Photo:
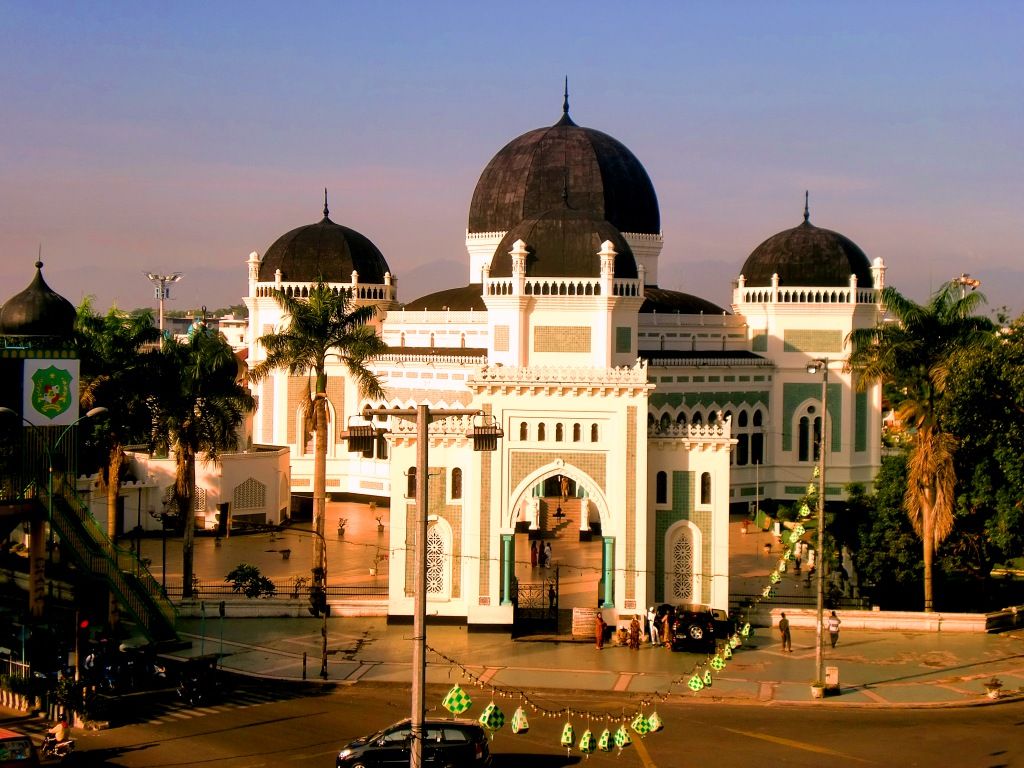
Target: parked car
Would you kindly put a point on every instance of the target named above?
(700, 627)
(447, 743)
(17, 750)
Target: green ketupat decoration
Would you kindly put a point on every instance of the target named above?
(622, 738)
(587, 742)
(746, 630)
(457, 700)
(654, 721)
(787, 553)
(567, 735)
(707, 678)
(805, 511)
(695, 683)
(492, 718)
(727, 652)
(604, 741)
(519, 722)
(734, 641)
(766, 592)
(799, 530)
(640, 724)
(774, 578)
(718, 663)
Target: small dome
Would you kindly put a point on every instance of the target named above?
(464, 299)
(37, 311)
(528, 174)
(564, 243)
(326, 250)
(664, 301)
(807, 255)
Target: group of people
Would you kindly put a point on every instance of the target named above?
(540, 554)
(787, 636)
(657, 628)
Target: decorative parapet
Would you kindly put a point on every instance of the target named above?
(851, 294)
(426, 357)
(364, 291)
(536, 378)
(709, 362)
(561, 286)
(720, 429)
(412, 316)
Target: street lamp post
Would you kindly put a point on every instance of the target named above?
(816, 366)
(160, 286)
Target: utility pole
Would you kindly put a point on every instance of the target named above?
(821, 366)
(162, 290)
(484, 438)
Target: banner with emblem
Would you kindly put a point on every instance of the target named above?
(50, 392)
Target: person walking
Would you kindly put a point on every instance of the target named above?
(547, 554)
(652, 623)
(833, 628)
(634, 634)
(599, 628)
(666, 629)
(798, 556)
(552, 599)
(533, 554)
(787, 640)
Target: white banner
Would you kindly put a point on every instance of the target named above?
(51, 392)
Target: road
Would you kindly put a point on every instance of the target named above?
(271, 726)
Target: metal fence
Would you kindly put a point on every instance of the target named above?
(204, 589)
(11, 668)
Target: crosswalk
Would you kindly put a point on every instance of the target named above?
(173, 710)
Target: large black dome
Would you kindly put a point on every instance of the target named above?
(807, 255)
(564, 243)
(37, 311)
(323, 250)
(529, 174)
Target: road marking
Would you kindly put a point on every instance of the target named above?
(625, 678)
(645, 756)
(488, 674)
(796, 744)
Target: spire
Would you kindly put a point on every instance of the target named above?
(565, 98)
(807, 208)
(39, 261)
(326, 211)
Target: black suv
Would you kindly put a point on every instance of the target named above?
(447, 743)
(697, 626)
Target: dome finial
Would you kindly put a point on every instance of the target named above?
(807, 207)
(326, 211)
(39, 260)
(565, 98)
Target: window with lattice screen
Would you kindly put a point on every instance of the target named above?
(438, 566)
(252, 494)
(681, 571)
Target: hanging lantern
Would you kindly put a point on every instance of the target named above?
(492, 717)
(457, 700)
(622, 738)
(640, 724)
(604, 741)
(519, 722)
(360, 438)
(485, 435)
(587, 742)
(654, 721)
(567, 735)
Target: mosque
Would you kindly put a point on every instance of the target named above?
(634, 416)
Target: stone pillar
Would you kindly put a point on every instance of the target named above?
(508, 562)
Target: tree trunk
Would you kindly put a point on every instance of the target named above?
(319, 488)
(928, 538)
(114, 462)
(184, 487)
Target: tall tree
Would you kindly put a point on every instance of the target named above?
(116, 368)
(325, 323)
(198, 405)
(915, 350)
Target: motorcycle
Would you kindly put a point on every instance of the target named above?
(52, 748)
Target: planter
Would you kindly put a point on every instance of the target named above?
(743, 526)
(285, 554)
(817, 691)
(373, 571)
(993, 691)
(380, 528)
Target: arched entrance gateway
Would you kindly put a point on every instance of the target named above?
(560, 519)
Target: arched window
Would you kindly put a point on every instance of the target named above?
(804, 439)
(712, 417)
(382, 448)
(758, 419)
(742, 449)
(410, 483)
(817, 438)
(456, 483)
(439, 568)
(541, 433)
(698, 417)
(705, 488)
(593, 433)
(682, 576)
(741, 420)
(524, 431)
(559, 433)
(661, 488)
(663, 422)
(757, 448)
(576, 433)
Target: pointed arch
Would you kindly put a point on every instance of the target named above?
(683, 563)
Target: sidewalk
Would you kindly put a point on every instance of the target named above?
(875, 669)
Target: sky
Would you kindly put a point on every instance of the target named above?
(179, 137)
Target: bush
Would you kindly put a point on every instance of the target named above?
(248, 580)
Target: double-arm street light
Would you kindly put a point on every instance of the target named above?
(821, 366)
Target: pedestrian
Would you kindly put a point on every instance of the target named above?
(652, 622)
(552, 598)
(533, 554)
(547, 554)
(833, 628)
(798, 554)
(634, 634)
(599, 627)
(666, 629)
(787, 640)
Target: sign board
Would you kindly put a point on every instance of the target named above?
(50, 389)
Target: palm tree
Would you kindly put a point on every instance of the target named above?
(199, 403)
(914, 353)
(325, 323)
(115, 370)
